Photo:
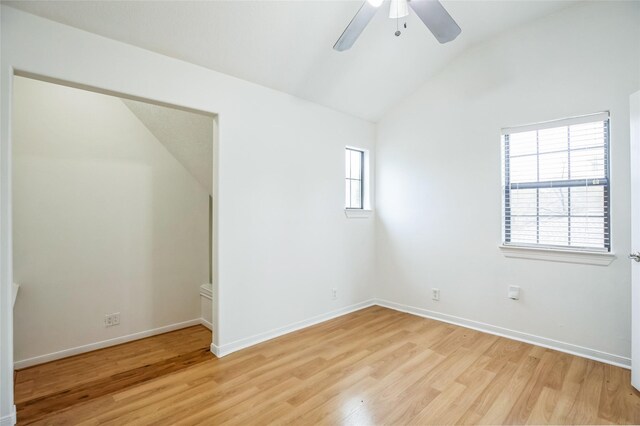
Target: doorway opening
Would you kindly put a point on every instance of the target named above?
(113, 236)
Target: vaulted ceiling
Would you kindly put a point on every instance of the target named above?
(186, 135)
(287, 45)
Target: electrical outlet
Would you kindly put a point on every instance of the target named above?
(334, 293)
(112, 319)
(435, 294)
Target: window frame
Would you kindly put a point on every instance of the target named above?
(361, 179)
(605, 182)
(366, 187)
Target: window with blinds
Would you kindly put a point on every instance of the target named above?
(556, 184)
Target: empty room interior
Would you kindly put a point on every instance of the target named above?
(341, 212)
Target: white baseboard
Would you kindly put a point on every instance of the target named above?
(240, 344)
(569, 348)
(229, 348)
(10, 419)
(206, 324)
(216, 351)
(102, 344)
(545, 342)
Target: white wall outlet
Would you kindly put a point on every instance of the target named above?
(334, 293)
(435, 294)
(112, 319)
(514, 292)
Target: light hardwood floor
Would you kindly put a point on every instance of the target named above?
(375, 366)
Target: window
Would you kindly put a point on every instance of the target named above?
(354, 179)
(556, 184)
(357, 183)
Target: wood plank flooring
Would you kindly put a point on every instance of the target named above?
(61, 375)
(375, 366)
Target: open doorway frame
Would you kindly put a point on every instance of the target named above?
(6, 220)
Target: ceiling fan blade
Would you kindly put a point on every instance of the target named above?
(355, 27)
(437, 19)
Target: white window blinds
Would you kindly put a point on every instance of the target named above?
(556, 184)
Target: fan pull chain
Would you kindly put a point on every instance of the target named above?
(397, 33)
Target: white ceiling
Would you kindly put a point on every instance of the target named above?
(186, 135)
(287, 45)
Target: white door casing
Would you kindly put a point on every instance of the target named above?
(635, 239)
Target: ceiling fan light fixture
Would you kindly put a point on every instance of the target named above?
(430, 12)
(398, 9)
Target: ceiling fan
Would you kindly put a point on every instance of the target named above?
(431, 12)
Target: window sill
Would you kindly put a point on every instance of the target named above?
(558, 255)
(357, 213)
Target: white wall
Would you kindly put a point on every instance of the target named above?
(283, 240)
(105, 220)
(439, 182)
